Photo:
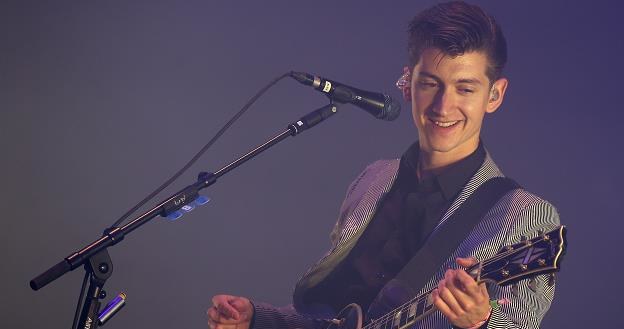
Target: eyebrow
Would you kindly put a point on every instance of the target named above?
(464, 80)
(470, 81)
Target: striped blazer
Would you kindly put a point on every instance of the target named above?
(517, 215)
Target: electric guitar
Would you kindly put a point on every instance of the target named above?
(540, 255)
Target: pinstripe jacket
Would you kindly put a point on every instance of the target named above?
(518, 214)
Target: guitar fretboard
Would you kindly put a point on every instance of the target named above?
(405, 315)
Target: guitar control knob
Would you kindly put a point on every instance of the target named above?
(505, 273)
(523, 267)
(541, 262)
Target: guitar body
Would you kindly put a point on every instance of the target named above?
(540, 255)
(349, 318)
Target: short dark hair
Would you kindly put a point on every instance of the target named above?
(456, 28)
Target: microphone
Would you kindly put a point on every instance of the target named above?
(379, 105)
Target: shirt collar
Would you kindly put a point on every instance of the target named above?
(452, 179)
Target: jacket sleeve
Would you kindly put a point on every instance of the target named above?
(524, 304)
(269, 317)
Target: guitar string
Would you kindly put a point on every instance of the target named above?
(419, 298)
(486, 262)
(390, 317)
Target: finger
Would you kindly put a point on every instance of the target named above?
(243, 306)
(459, 291)
(213, 314)
(441, 305)
(228, 310)
(449, 299)
(456, 284)
(484, 291)
(219, 318)
(217, 299)
(215, 325)
(211, 324)
(465, 261)
(468, 284)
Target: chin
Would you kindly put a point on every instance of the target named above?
(441, 146)
(443, 149)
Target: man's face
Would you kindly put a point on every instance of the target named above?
(449, 98)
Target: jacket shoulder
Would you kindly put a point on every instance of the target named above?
(380, 169)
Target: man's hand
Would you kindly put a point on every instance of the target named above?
(459, 297)
(230, 312)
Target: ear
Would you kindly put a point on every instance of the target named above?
(407, 94)
(405, 84)
(497, 94)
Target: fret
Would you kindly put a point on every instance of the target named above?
(421, 307)
(405, 315)
(404, 318)
(387, 323)
(411, 313)
(382, 323)
(396, 320)
(429, 304)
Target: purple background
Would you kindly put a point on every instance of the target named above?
(101, 101)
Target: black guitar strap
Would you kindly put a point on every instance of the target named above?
(445, 239)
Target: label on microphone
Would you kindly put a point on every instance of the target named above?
(327, 87)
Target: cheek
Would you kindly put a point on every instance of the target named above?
(419, 110)
(421, 101)
(418, 118)
(473, 109)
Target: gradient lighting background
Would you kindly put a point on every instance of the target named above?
(102, 101)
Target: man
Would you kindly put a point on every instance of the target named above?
(456, 56)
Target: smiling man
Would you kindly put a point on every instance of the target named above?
(395, 209)
(450, 97)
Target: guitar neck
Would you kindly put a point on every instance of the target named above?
(406, 314)
(528, 258)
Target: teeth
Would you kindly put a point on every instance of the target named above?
(445, 124)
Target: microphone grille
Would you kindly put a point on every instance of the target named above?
(391, 110)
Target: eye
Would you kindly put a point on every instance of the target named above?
(465, 89)
(424, 84)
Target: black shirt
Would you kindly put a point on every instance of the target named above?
(404, 219)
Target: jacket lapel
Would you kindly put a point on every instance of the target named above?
(487, 171)
(363, 198)
(362, 201)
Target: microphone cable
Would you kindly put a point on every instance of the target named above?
(173, 178)
(201, 151)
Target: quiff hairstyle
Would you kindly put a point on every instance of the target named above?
(457, 28)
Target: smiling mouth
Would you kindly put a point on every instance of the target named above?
(444, 124)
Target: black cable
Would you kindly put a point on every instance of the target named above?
(201, 152)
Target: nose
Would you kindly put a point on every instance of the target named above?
(443, 103)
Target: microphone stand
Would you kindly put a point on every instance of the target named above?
(95, 257)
